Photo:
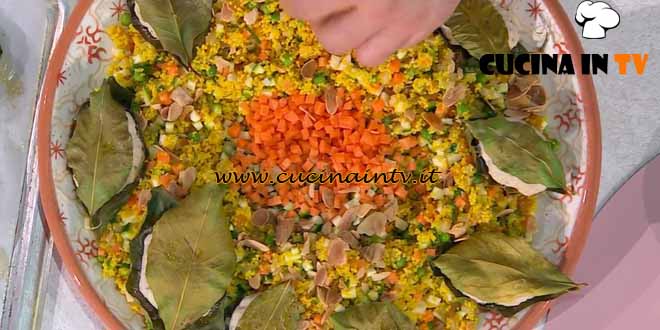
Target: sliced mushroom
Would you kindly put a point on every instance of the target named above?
(453, 95)
(255, 281)
(144, 196)
(181, 97)
(254, 245)
(410, 115)
(458, 230)
(433, 120)
(308, 69)
(187, 178)
(526, 94)
(377, 277)
(337, 252)
(327, 196)
(223, 65)
(310, 239)
(284, 230)
(374, 254)
(251, 17)
(262, 217)
(321, 278)
(331, 100)
(350, 239)
(374, 224)
(226, 14)
(364, 209)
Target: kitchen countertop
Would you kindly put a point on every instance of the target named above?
(628, 109)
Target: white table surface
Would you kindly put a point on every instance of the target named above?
(629, 108)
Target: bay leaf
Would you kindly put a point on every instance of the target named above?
(101, 151)
(479, 28)
(160, 202)
(496, 269)
(371, 316)
(518, 156)
(277, 308)
(191, 257)
(177, 24)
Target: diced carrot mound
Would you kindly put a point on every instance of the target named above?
(296, 133)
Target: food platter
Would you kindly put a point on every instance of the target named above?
(80, 62)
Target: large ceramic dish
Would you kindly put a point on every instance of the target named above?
(78, 65)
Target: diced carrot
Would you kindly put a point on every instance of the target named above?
(431, 252)
(165, 98)
(234, 130)
(178, 167)
(395, 65)
(273, 201)
(162, 157)
(460, 202)
(308, 165)
(408, 142)
(291, 117)
(378, 105)
(393, 278)
(401, 192)
(397, 78)
(323, 62)
(309, 99)
(427, 316)
(165, 179)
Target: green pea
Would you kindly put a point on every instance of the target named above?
(320, 78)
(443, 237)
(286, 59)
(400, 263)
(195, 137)
(275, 17)
(216, 108)
(212, 71)
(125, 18)
(426, 135)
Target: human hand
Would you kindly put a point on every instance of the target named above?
(374, 28)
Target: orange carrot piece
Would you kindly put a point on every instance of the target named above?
(162, 157)
(397, 78)
(408, 142)
(234, 130)
(165, 98)
(395, 65)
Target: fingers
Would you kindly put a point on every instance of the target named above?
(379, 47)
(345, 32)
(315, 10)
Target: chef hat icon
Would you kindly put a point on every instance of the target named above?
(596, 18)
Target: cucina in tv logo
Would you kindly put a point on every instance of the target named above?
(563, 64)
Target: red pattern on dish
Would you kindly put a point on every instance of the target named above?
(118, 7)
(91, 39)
(56, 150)
(85, 249)
(534, 9)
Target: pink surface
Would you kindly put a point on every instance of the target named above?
(620, 264)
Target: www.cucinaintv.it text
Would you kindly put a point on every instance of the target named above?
(391, 177)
